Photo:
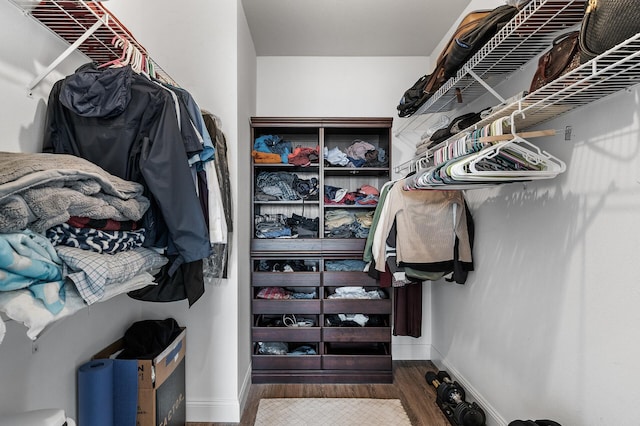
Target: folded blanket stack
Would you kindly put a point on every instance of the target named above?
(69, 230)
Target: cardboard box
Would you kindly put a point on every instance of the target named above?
(161, 384)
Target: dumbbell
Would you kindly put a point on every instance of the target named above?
(452, 396)
(544, 422)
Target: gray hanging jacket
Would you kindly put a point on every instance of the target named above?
(129, 126)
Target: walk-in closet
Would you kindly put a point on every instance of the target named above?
(482, 226)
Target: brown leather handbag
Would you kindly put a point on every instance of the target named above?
(469, 22)
(475, 30)
(563, 57)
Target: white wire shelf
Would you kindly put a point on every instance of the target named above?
(528, 34)
(88, 26)
(614, 70)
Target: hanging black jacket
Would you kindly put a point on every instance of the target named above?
(128, 125)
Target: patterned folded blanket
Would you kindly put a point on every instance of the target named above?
(38, 191)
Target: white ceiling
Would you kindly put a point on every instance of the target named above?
(350, 27)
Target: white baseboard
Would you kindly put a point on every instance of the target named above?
(222, 410)
(493, 416)
(408, 352)
(219, 411)
(244, 389)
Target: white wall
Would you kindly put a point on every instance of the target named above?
(207, 52)
(247, 79)
(202, 47)
(338, 87)
(542, 329)
(346, 87)
(545, 326)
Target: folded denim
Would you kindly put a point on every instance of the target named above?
(345, 265)
(278, 184)
(343, 231)
(359, 231)
(303, 350)
(270, 217)
(300, 295)
(367, 200)
(273, 348)
(274, 144)
(271, 226)
(274, 233)
(357, 162)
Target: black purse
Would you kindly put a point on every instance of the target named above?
(607, 23)
(457, 125)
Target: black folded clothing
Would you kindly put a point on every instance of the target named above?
(148, 338)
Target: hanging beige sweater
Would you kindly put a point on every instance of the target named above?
(426, 226)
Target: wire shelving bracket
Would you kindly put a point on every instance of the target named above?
(88, 27)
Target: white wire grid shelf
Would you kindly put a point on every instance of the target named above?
(612, 71)
(525, 36)
(87, 26)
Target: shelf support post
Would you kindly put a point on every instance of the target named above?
(67, 52)
(484, 84)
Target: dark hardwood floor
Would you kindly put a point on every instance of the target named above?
(409, 386)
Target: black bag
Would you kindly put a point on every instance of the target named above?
(146, 339)
(456, 126)
(460, 123)
(563, 57)
(607, 23)
(544, 422)
(467, 44)
(469, 23)
(413, 97)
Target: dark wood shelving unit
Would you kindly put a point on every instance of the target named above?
(343, 354)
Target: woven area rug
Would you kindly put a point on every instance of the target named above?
(331, 411)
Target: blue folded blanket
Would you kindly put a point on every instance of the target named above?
(28, 260)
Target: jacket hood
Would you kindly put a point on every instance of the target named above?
(94, 92)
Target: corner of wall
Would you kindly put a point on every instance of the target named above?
(244, 390)
(411, 352)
